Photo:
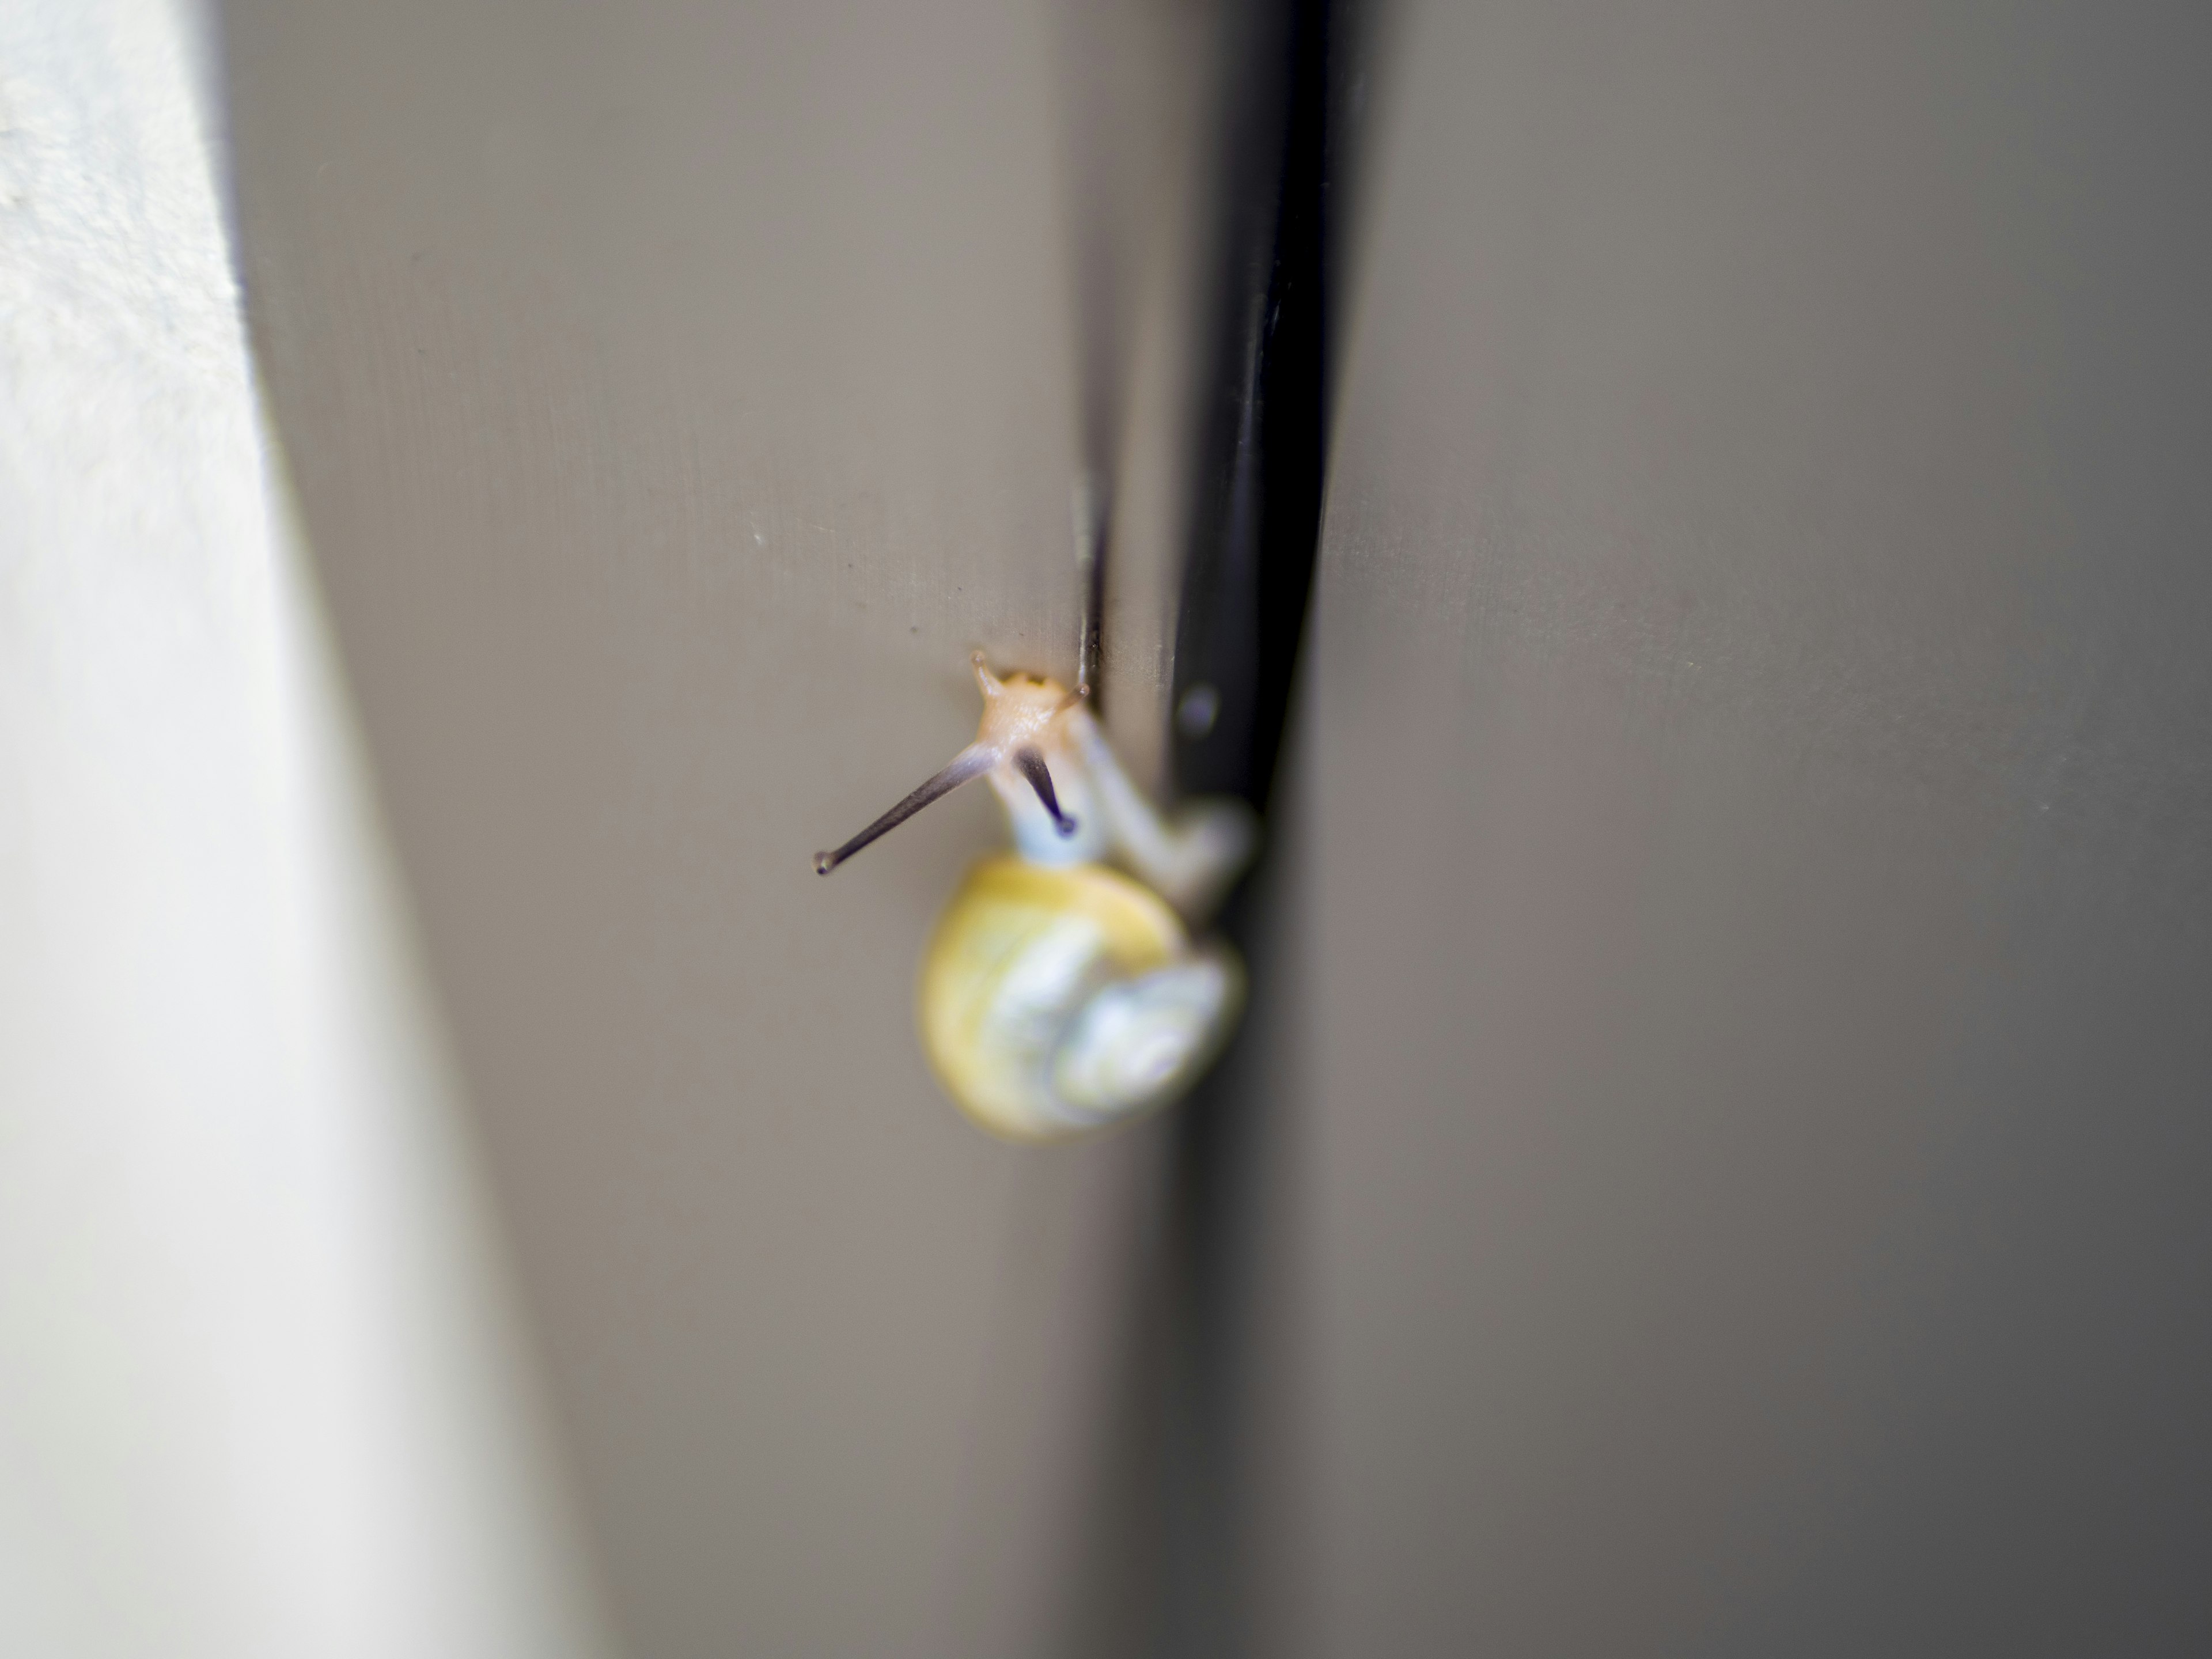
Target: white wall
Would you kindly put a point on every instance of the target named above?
(260, 1389)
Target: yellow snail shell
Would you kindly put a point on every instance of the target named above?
(1056, 1000)
(1059, 997)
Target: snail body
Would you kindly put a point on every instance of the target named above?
(1059, 997)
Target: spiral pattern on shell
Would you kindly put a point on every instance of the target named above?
(1059, 1000)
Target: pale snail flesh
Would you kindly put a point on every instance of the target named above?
(1059, 997)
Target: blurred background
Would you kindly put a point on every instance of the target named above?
(1719, 1161)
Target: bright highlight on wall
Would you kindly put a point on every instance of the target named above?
(260, 1390)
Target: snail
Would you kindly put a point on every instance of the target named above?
(1060, 997)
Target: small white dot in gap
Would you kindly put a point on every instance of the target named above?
(1199, 707)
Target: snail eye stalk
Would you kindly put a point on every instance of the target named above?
(970, 762)
(1032, 767)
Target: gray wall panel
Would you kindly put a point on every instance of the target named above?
(1760, 770)
(675, 394)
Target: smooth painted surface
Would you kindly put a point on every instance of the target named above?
(676, 394)
(1759, 784)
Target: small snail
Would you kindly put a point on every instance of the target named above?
(1059, 996)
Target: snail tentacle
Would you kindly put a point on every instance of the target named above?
(1030, 764)
(970, 762)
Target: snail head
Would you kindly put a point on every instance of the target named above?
(1023, 729)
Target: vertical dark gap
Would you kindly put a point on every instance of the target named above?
(1255, 514)
(1168, 1573)
(1254, 532)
